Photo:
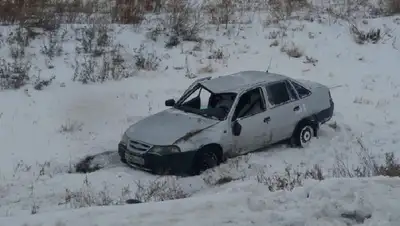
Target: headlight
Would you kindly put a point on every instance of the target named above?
(164, 150)
(124, 139)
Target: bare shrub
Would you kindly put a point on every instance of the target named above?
(71, 126)
(18, 40)
(283, 9)
(85, 72)
(217, 54)
(188, 71)
(87, 196)
(367, 166)
(14, 75)
(310, 60)
(390, 168)
(221, 12)
(361, 37)
(128, 12)
(292, 50)
(154, 33)
(390, 7)
(290, 179)
(52, 44)
(274, 43)
(315, 173)
(23, 11)
(161, 189)
(41, 83)
(97, 40)
(209, 68)
(114, 66)
(356, 216)
(145, 60)
(21, 166)
(93, 39)
(184, 21)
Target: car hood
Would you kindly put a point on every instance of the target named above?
(168, 126)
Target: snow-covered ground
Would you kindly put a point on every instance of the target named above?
(334, 202)
(37, 151)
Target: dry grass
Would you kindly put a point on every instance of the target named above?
(50, 13)
(161, 189)
(290, 179)
(390, 7)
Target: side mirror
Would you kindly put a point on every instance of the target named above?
(236, 128)
(170, 102)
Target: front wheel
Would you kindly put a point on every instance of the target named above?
(303, 134)
(203, 161)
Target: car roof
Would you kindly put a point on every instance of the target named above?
(240, 81)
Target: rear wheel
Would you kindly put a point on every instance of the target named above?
(122, 157)
(303, 134)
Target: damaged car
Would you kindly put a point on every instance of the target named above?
(222, 117)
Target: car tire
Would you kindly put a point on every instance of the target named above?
(122, 158)
(203, 161)
(303, 134)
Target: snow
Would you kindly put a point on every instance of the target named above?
(35, 156)
(373, 201)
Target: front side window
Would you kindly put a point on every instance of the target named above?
(201, 101)
(250, 103)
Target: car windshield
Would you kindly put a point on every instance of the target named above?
(202, 102)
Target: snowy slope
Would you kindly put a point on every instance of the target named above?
(334, 202)
(35, 156)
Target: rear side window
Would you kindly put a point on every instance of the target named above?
(303, 92)
(278, 93)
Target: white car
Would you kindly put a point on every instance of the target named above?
(218, 118)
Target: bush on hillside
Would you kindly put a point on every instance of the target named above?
(390, 7)
(13, 75)
(183, 22)
(361, 37)
(127, 12)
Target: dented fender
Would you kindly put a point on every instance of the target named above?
(214, 134)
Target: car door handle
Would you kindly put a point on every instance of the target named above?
(267, 119)
(297, 108)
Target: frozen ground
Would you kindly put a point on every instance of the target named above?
(36, 154)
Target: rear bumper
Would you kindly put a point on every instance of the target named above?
(326, 115)
(177, 163)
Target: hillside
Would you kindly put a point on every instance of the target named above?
(70, 90)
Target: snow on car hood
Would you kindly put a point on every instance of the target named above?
(166, 127)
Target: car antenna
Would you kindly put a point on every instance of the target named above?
(270, 60)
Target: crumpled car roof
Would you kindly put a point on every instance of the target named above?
(240, 81)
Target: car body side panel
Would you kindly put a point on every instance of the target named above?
(254, 135)
(283, 120)
(318, 101)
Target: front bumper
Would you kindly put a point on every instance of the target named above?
(177, 163)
